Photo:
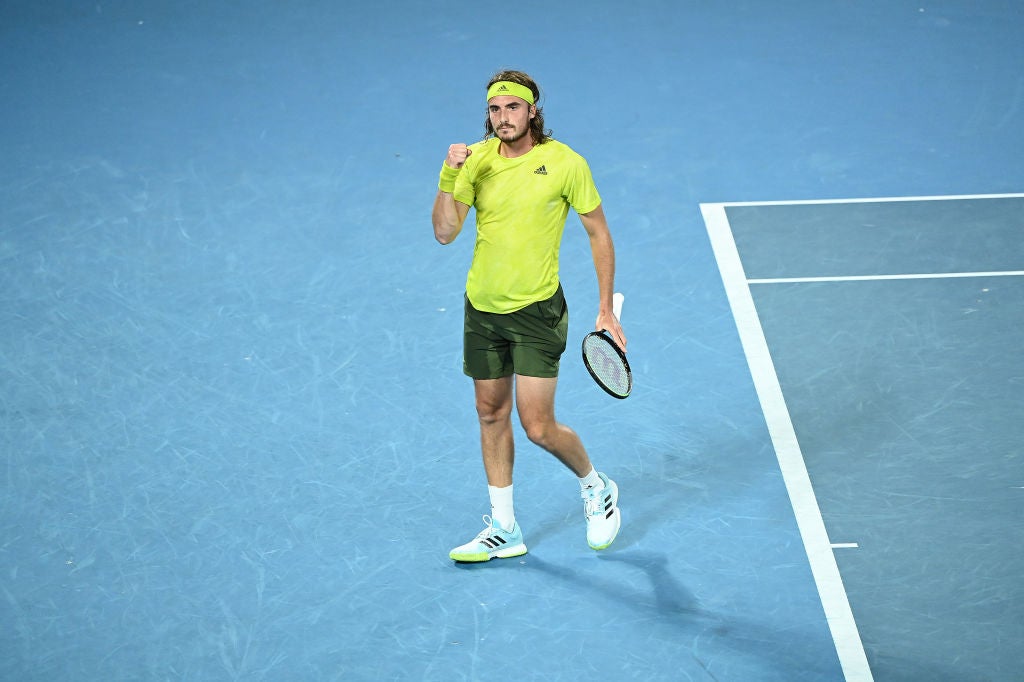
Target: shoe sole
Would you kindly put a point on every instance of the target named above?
(480, 557)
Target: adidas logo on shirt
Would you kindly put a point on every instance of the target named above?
(541, 171)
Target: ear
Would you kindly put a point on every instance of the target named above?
(533, 111)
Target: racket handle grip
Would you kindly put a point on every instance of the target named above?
(617, 300)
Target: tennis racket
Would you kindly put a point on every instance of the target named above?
(605, 360)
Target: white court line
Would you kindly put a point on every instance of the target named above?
(822, 560)
(873, 278)
(868, 200)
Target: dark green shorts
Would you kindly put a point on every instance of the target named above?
(529, 342)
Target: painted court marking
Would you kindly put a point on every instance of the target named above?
(820, 551)
(873, 278)
(829, 583)
(880, 200)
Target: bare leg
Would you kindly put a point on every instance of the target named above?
(535, 400)
(494, 410)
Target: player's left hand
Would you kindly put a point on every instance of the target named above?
(609, 323)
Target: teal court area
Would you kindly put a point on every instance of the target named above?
(237, 442)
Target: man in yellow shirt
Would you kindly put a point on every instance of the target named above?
(522, 184)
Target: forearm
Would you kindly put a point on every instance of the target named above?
(448, 214)
(446, 219)
(603, 251)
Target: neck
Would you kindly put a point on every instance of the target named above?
(517, 148)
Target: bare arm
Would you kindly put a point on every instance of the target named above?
(448, 214)
(603, 251)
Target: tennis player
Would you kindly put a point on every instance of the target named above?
(522, 184)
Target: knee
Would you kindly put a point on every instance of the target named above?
(540, 433)
(493, 413)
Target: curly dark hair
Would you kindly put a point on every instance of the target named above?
(537, 131)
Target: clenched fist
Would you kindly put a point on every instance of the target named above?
(457, 155)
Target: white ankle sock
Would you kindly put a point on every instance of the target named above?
(502, 509)
(591, 480)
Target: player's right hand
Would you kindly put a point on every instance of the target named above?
(457, 155)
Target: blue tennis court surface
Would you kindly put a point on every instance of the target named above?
(237, 443)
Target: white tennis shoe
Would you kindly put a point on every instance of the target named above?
(490, 543)
(602, 511)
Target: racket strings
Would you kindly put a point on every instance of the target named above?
(606, 364)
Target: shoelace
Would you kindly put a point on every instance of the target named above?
(593, 502)
(486, 532)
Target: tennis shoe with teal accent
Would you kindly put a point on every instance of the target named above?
(492, 542)
(601, 507)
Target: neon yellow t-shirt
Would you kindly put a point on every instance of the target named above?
(521, 207)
